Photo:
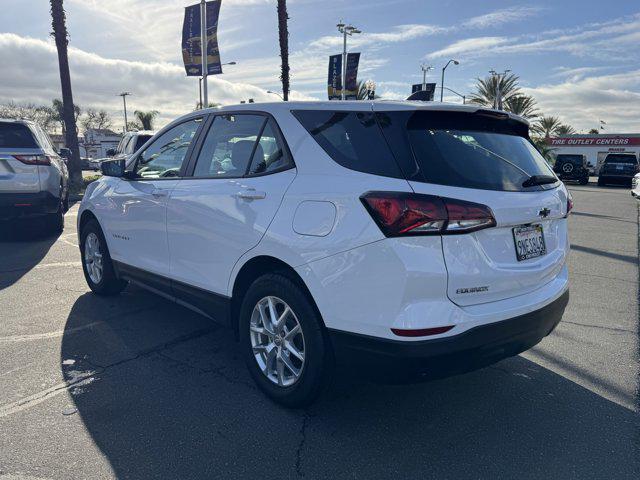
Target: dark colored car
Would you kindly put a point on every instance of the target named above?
(618, 168)
(572, 167)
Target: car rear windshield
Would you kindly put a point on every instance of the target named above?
(621, 159)
(569, 158)
(481, 150)
(16, 135)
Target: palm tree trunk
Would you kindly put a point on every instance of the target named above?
(58, 22)
(283, 33)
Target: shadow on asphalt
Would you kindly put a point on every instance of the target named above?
(172, 399)
(23, 244)
(596, 251)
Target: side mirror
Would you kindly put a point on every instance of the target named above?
(113, 168)
(65, 153)
(111, 152)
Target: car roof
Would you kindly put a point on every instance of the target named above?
(17, 120)
(353, 105)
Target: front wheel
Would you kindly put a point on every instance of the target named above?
(96, 262)
(283, 342)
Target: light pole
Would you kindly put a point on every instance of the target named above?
(200, 84)
(497, 104)
(425, 69)
(124, 102)
(345, 30)
(276, 93)
(464, 98)
(455, 62)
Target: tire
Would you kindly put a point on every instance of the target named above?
(601, 182)
(314, 372)
(106, 282)
(584, 180)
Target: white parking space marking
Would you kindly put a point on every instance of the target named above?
(42, 336)
(59, 264)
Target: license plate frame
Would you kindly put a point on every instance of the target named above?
(528, 249)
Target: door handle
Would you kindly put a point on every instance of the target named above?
(251, 195)
(158, 193)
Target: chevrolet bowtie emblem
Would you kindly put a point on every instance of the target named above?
(544, 213)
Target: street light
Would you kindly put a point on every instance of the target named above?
(124, 101)
(425, 69)
(200, 82)
(455, 62)
(464, 98)
(276, 93)
(345, 30)
(497, 104)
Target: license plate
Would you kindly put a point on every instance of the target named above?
(529, 242)
(618, 167)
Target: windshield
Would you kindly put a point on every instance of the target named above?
(621, 159)
(569, 158)
(16, 135)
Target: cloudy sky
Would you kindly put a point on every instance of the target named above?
(580, 59)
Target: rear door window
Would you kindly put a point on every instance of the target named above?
(621, 159)
(351, 139)
(16, 135)
(460, 149)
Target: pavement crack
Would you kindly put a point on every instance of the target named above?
(303, 440)
(614, 329)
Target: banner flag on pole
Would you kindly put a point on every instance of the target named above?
(334, 85)
(351, 81)
(191, 43)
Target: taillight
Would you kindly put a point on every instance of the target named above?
(569, 204)
(399, 214)
(33, 159)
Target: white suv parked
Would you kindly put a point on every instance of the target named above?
(426, 238)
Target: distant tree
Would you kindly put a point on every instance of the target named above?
(594, 131)
(487, 89)
(145, 119)
(565, 129)
(95, 119)
(283, 36)
(59, 25)
(58, 109)
(546, 126)
(520, 104)
(40, 114)
(363, 93)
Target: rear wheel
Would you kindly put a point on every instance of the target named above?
(96, 262)
(283, 342)
(601, 182)
(584, 180)
(54, 222)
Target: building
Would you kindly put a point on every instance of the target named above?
(98, 140)
(596, 147)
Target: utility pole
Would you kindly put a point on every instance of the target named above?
(425, 69)
(455, 62)
(203, 48)
(345, 30)
(124, 102)
(497, 104)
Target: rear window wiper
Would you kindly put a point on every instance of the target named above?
(539, 180)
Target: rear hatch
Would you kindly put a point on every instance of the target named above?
(20, 156)
(620, 164)
(567, 164)
(486, 158)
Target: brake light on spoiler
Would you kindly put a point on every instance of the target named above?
(403, 214)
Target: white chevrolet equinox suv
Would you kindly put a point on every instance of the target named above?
(422, 239)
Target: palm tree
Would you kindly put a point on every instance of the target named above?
(565, 129)
(544, 148)
(283, 34)
(58, 23)
(487, 89)
(522, 105)
(363, 91)
(145, 119)
(546, 126)
(594, 131)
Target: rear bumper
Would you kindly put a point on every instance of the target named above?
(472, 349)
(13, 205)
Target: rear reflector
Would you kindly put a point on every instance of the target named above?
(33, 159)
(399, 213)
(423, 332)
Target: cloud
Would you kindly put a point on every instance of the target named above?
(96, 80)
(399, 33)
(613, 40)
(500, 17)
(469, 45)
(612, 98)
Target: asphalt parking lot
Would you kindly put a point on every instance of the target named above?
(137, 387)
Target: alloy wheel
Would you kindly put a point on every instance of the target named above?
(277, 341)
(93, 257)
